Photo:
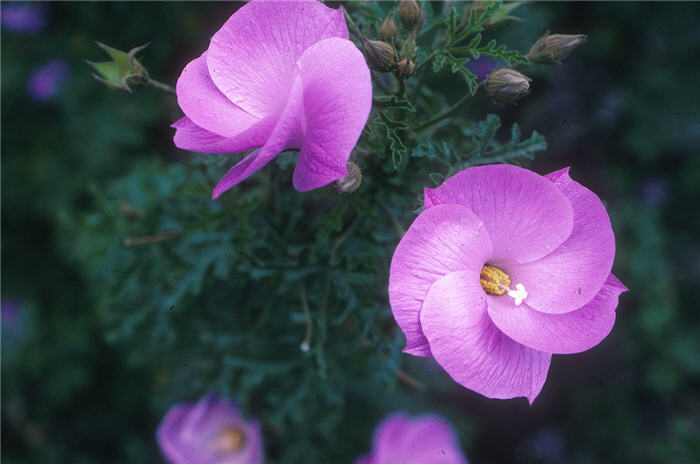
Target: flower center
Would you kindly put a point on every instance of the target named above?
(230, 439)
(494, 281)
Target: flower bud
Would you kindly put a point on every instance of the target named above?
(410, 15)
(388, 30)
(552, 48)
(507, 85)
(406, 68)
(123, 72)
(352, 181)
(380, 55)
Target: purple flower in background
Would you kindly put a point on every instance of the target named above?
(503, 268)
(425, 439)
(483, 66)
(27, 18)
(210, 431)
(10, 315)
(46, 81)
(277, 76)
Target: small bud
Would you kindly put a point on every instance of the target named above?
(352, 181)
(552, 48)
(388, 30)
(124, 72)
(406, 68)
(507, 85)
(410, 15)
(380, 55)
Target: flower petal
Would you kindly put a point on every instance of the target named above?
(442, 239)
(526, 215)
(337, 101)
(572, 332)
(190, 136)
(465, 342)
(424, 439)
(252, 58)
(571, 275)
(168, 432)
(206, 106)
(287, 133)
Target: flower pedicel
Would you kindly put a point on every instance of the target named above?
(503, 268)
(277, 76)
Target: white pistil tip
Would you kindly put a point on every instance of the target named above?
(519, 294)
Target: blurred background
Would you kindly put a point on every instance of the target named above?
(622, 111)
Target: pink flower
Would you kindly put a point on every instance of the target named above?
(425, 439)
(503, 268)
(277, 76)
(210, 431)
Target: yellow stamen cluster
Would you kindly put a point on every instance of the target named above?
(230, 439)
(494, 281)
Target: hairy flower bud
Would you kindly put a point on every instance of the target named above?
(410, 15)
(352, 181)
(406, 68)
(124, 72)
(380, 56)
(507, 85)
(388, 30)
(552, 48)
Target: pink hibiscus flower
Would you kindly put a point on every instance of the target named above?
(277, 76)
(210, 431)
(503, 268)
(425, 439)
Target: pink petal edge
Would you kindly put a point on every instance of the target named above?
(473, 351)
(442, 239)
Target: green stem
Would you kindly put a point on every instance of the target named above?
(449, 112)
(160, 86)
(381, 85)
(353, 27)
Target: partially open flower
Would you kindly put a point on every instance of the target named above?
(507, 85)
(277, 76)
(553, 48)
(209, 431)
(503, 268)
(421, 440)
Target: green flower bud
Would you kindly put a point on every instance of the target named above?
(380, 55)
(352, 181)
(552, 48)
(507, 85)
(388, 31)
(410, 15)
(406, 68)
(124, 72)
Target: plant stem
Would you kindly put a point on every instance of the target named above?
(160, 86)
(381, 85)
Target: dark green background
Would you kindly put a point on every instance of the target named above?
(622, 112)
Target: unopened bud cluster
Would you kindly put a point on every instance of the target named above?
(391, 53)
(507, 85)
(553, 48)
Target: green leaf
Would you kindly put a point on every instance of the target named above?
(397, 148)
